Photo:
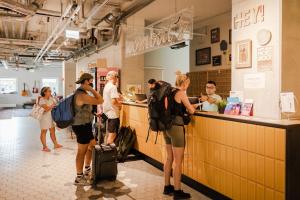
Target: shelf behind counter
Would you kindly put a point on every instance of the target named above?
(235, 156)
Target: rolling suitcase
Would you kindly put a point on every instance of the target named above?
(104, 163)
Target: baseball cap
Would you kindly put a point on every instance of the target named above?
(111, 74)
(83, 77)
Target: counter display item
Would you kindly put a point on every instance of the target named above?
(247, 109)
(233, 106)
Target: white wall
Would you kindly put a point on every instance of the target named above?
(169, 59)
(111, 53)
(24, 76)
(266, 100)
(132, 68)
(69, 78)
(223, 22)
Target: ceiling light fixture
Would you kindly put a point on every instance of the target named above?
(72, 34)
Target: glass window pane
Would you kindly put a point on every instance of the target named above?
(52, 83)
(8, 85)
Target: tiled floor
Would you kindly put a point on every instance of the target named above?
(28, 173)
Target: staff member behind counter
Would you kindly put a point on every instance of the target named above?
(151, 85)
(210, 100)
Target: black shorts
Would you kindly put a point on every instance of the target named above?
(113, 125)
(84, 133)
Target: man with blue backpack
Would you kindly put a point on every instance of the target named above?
(82, 125)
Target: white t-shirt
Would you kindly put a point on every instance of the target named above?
(110, 92)
(211, 106)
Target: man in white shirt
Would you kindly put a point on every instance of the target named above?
(210, 101)
(112, 105)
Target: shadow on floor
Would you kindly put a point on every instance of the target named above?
(104, 189)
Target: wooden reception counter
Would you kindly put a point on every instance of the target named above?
(230, 156)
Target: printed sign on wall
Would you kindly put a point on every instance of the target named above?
(255, 81)
(264, 58)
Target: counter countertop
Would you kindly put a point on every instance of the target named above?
(283, 123)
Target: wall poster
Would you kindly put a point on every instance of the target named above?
(203, 56)
(215, 35)
(217, 60)
(264, 58)
(244, 54)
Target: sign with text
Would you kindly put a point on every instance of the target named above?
(249, 16)
(287, 102)
(264, 58)
(255, 81)
(171, 30)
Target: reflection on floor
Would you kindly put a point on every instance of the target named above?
(8, 113)
(29, 173)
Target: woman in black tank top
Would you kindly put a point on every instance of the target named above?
(174, 139)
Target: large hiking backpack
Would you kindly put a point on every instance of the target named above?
(124, 142)
(161, 107)
(63, 114)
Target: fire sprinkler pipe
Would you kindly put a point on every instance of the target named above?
(67, 10)
(90, 15)
(62, 30)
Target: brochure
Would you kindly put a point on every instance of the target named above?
(247, 108)
(233, 106)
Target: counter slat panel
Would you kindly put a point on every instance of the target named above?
(239, 160)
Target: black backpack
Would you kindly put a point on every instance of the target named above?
(161, 107)
(124, 142)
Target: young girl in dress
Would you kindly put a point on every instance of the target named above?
(47, 102)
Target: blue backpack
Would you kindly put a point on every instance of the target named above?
(63, 114)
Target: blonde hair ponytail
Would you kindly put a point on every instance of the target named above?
(180, 78)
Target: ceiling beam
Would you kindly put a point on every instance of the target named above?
(13, 31)
(33, 43)
(17, 7)
(22, 30)
(5, 29)
(50, 13)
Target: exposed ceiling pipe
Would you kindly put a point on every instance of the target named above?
(62, 30)
(90, 15)
(134, 8)
(67, 10)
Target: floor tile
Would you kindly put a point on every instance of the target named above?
(29, 173)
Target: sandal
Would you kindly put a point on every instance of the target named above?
(46, 149)
(57, 146)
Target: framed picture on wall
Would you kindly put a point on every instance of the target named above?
(203, 56)
(243, 54)
(215, 35)
(217, 60)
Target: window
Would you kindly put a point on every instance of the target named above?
(52, 83)
(8, 85)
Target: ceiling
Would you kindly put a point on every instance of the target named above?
(32, 32)
(203, 9)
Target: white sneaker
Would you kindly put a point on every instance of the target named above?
(81, 181)
(87, 172)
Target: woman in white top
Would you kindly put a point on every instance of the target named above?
(46, 122)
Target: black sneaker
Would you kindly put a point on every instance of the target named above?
(179, 194)
(169, 190)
